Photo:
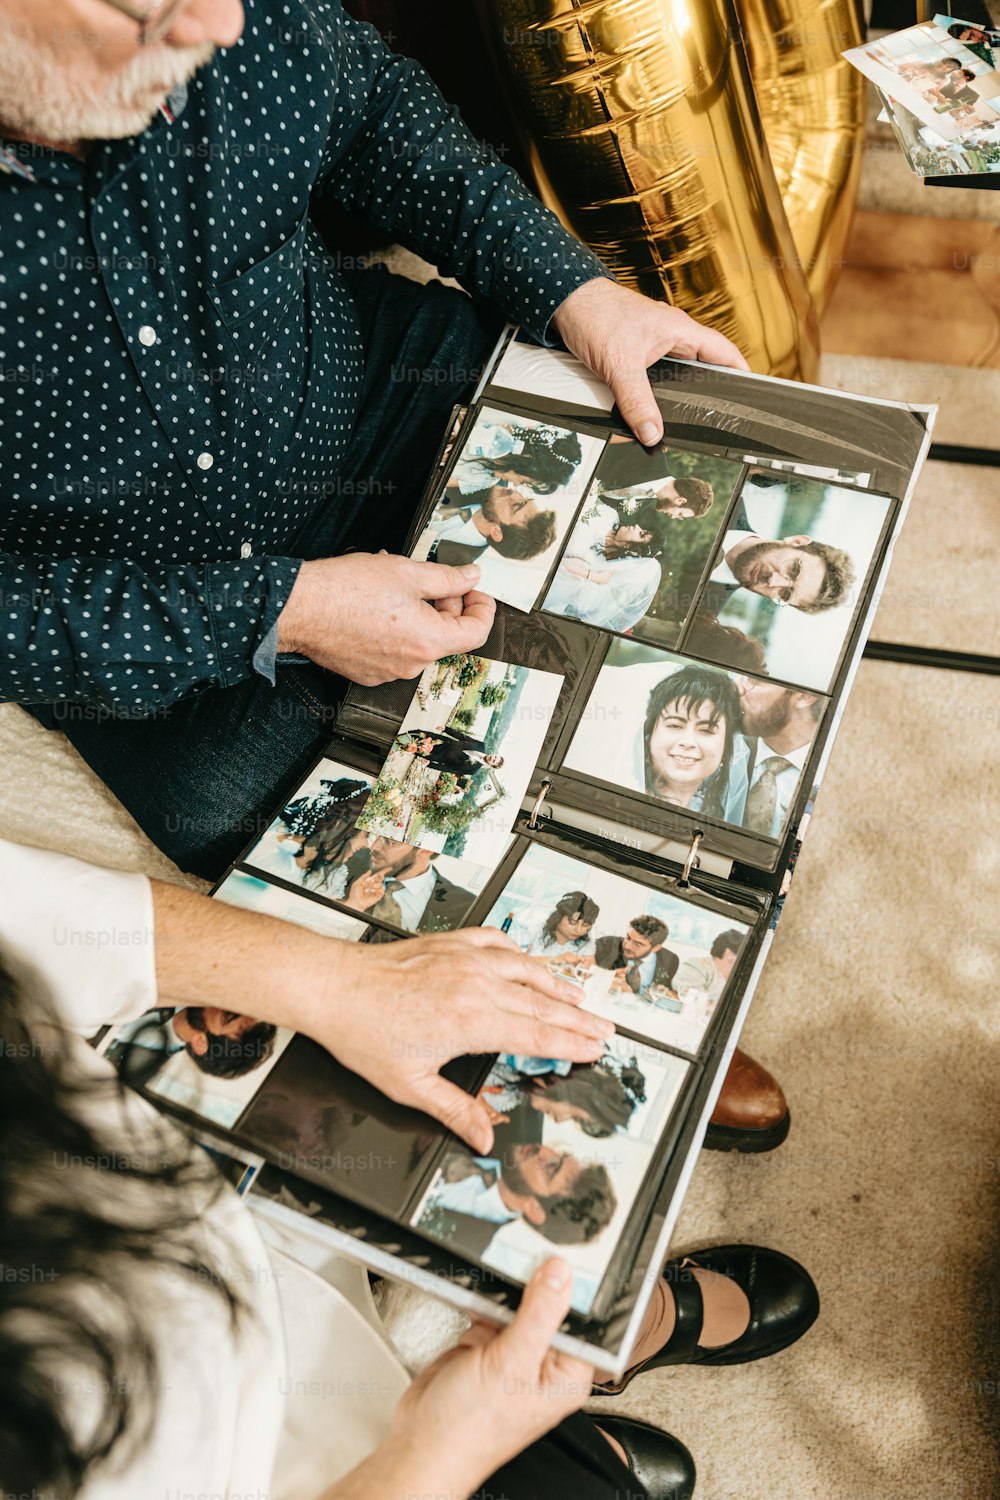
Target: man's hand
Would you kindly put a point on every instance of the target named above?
(618, 334)
(397, 1012)
(375, 618)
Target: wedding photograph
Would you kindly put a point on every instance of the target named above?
(563, 1193)
(649, 524)
(785, 583)
(314, 843)
(722, 744)
(929, 154)
(462, 759)
(508, 501)
(208, 1061)
(629, 1091)
(934, 75)
(654, 964)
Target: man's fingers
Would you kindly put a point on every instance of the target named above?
(634, 395)
(451, 606)
(438, 581)
(461, 1112)
(713, 348)
(466, 631)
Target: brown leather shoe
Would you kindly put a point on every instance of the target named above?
(751, 1113)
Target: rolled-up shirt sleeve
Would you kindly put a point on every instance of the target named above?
(409, 162)
(110, 633)
(87, 931)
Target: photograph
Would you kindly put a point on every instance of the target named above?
(254, 894)
(649, 525)
(654, 964)
(781, 596)
(932, 73)
(314, 844)
(462, 759)
(203, 1059)
(629, 1091)
(509, 500)
(722, 744)
(930, 155)
(565, 1193)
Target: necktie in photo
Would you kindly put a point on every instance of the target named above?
(387, 908)
(633, 978)
(762, 801)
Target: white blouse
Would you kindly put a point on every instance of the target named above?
(299, 1392)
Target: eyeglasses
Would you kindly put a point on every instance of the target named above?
(154, 20)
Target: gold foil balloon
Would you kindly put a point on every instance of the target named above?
(812, 105)
(640, 124)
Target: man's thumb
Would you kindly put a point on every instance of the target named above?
(634, 395)
(440, 581)
(459, 1111)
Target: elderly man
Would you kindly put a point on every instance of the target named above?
(206, 409)
(209, 420)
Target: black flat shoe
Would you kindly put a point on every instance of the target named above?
(784, 1304)
(660, 1462)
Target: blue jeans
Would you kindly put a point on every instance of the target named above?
(204, 777)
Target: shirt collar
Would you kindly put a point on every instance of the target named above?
(797, 758)
(723, 573)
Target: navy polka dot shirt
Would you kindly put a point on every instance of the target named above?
(180, 363)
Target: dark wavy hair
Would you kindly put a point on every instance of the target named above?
(607, 1096)
(650, 520)
(578, 1216)
(690, 686)
(79, 1210)
(574, 903)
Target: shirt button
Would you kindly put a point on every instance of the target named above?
(147, 335)
(246, 550)
(204, 460)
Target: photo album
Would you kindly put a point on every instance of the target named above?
(619, 779)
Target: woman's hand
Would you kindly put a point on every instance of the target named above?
(479, 1405)
(365, 892)
(498, 1391)
(397, 1012)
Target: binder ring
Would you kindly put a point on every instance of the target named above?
(693, 861)
(537, 805)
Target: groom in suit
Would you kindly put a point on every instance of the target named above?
(639, 957)
(403, 888)
(567, 1200)
(446, 752)
(506, 520)
(809, 576)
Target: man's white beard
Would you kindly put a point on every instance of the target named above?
(44, 96)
